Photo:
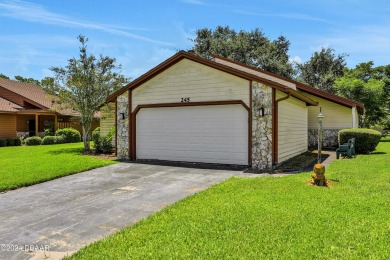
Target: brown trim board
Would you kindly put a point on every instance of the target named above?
(207, 103)
(129, 103)
(300, 85)
(116, 127)
(250, 125)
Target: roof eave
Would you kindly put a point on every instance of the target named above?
(182, 55)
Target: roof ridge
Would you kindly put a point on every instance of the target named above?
(301, 86)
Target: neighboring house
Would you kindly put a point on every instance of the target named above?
(198, 110)
(26, 110)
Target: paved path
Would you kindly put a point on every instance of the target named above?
(328, 158)
(68, 213)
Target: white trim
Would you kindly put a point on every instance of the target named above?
(354, 117)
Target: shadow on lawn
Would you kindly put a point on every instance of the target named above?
(385, 141)
(74, 151)
(377, 153)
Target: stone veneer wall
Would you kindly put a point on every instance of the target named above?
(329, 138)
(123, 126)
(261, 127)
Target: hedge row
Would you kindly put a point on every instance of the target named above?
(10, 142)
(366, 140)
(65, 135)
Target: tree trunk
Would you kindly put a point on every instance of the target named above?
(86, 138)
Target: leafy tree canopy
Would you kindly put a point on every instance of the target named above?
(322, 70)
(27, 80)
(84, 85)
(370, 86)
(252, 48)
(3, 76)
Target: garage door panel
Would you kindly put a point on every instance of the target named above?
(211, 134)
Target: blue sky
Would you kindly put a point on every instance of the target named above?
(36, 35)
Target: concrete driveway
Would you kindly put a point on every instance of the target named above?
(66, 214)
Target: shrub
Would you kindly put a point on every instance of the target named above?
(96, 140)
(60, 139)
(34, 140)
(17, 142)
(3, 142)
(102, 144)
(365, 139)
(10, 142)
(49, 140)
(71, 135)
(48, 132)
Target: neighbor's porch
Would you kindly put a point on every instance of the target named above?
(34, 124)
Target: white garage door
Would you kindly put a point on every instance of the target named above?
(210, 134)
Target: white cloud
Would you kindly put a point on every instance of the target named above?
(31, 12)
(194, 2)
(296, 59)
(295, 16)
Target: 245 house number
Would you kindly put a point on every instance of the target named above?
(185, 99)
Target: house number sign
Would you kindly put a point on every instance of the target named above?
(185, 99)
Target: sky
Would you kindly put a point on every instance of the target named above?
(38, 35)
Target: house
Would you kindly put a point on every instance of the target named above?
(340, 113)
(214, 111)
(26, 110)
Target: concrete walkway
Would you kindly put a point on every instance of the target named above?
(328, 157)
(66, 214)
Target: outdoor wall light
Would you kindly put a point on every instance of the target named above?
(261, 111)
(122, 115)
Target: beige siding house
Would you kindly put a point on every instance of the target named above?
(340, 113)
(107, 118)
(292, 137)
(211, 111)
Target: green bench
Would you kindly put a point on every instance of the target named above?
(347, 149)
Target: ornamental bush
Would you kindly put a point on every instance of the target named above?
(3, 142)
(17, 142)
(60, 139)
(102, 144)
(96, 139)
(71, 135)
(10, 141)
(34, 140)
(49, 140)
(366, 140)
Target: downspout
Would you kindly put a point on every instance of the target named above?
(276, 129)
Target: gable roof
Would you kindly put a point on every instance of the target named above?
(185, 55)
(8, 106)
(33, 93)
(298, 85)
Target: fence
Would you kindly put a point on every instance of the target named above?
(63, 125)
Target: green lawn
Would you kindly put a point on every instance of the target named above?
(27, 165)
(270, 218)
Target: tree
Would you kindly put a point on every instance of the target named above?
(369, 86)
(28, 80)
(251, 48)
(322, 70)
(3, 76)
(84, 85)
